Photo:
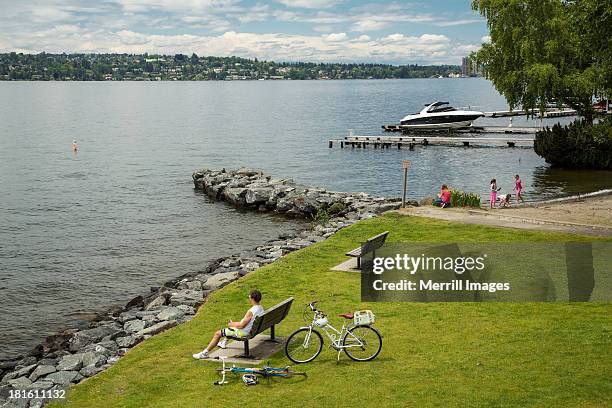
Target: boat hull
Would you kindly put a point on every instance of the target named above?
(441, 125)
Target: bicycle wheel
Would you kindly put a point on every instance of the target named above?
(362, 343)
(303, 345)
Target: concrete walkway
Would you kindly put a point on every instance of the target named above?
(589, 216)
(260, 347)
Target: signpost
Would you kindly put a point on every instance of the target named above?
(405, 166)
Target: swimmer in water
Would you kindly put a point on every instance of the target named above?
(75, 147)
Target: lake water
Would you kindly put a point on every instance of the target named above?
(79, 233)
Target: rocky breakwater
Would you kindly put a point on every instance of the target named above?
(251, 188)
(69, 357)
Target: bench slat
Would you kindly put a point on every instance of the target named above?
(354, 252)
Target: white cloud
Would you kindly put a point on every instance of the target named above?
(450, 23)
(486, 39)
(335, 37)
(369, 25)
(394, 48)
(313, 4)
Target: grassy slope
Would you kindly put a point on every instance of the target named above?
(436, 354)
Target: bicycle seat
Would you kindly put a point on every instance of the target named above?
(346, 315)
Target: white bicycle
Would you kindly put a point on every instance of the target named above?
(357, 338)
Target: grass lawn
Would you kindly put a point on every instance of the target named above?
(434, 354)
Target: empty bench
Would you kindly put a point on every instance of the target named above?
(267, 320)
(371, 245)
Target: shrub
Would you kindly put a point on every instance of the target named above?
(320, 217)
(462, 199)
(578, 145)
(336, 207)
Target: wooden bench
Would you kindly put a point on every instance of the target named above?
(267, 320)
(371, 245)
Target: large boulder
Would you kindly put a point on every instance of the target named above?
(71, 362)
(129, 341)
(170, 313)
(235, 196)
(95, 335)
(187, 297)
(219, 280)
(258, 195)
(157, 328)
(41, 371)
(134, 326)
(62, 378)
(20, 383)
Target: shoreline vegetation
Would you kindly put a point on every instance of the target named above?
(179, 67)
(73, 355)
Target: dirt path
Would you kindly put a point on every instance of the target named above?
(592, 216)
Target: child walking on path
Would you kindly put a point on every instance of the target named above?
(494, 191)
(518, 187)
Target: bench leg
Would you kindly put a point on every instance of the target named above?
(247, 353)
(272, 335)
(358, 262)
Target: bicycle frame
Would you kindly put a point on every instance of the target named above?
(335, 336)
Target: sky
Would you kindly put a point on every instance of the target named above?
(395, 32)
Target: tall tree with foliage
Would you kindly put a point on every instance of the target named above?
(544, 50)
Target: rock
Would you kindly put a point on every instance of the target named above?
(41, 385)
(187, 297)
(90, 371)
(9, 376)
(71, 362)
(25, 371)
(20, 383)
(159, 301)
(235, 195)
(220, 280)
(157, 328)
(129, 341)
(138, 301)
(91, 358)
(170, 313)
(245, 171)
(48, 361)
(8, 364)
(134, 326)
(188, 310)
(193, 285)
(41, 371)
(86, 337)
(62, 377)
(426, 201)
(275, 254)
(127, 316)
(250, 266)
(230, 262)
(258, 195)
(26, 361)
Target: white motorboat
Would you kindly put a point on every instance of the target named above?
(440, 115)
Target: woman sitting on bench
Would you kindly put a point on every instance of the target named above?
(236, 329)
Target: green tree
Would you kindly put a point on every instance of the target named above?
(544, 50)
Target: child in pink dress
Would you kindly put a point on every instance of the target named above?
(518, 187)
(494, 191)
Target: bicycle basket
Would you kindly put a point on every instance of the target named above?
(363, 317)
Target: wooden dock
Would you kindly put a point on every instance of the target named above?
(385, 142)
(550, 113)
(508, 130)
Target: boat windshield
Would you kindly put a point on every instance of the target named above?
(441, 107)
